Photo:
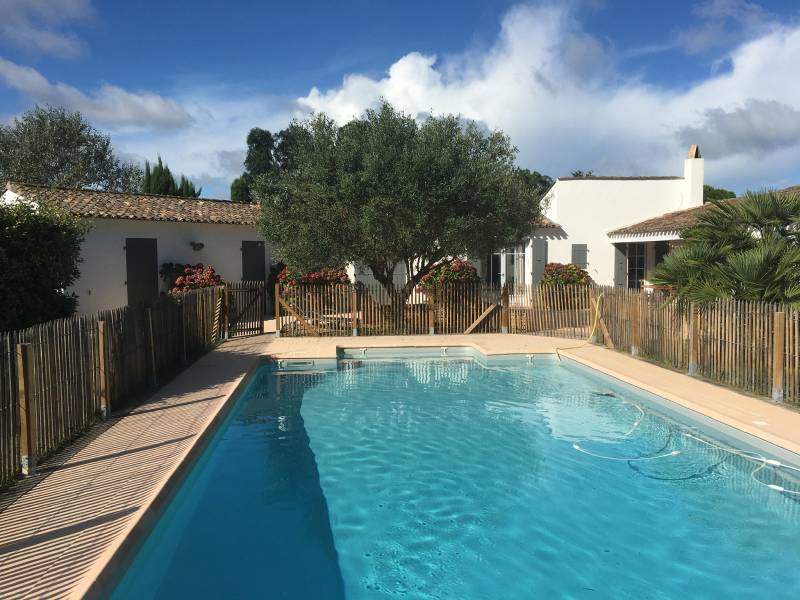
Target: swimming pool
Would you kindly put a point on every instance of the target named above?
(451, 478)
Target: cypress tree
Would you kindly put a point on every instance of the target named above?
(158, 179)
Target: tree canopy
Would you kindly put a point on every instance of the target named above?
(747, 249)
(39, 252)
(267, 155)
(385, 189)
(54, 147)
(537, 181)
(712, 193)
(159, 180)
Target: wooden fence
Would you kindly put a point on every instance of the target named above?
(338, 310)
(752, 346)
(59, 377)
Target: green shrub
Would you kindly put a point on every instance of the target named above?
(40, 248)
(565, 274)
(456, 271)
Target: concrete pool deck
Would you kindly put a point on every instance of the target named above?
(61, 528)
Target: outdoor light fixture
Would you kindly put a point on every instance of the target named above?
(197, 246)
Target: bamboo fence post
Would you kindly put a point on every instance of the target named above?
(27, 429)
(277, 310)
(778, 353)
(101, 361)
(694, 338)
(504, 310)
(635, 326)
(354, 308)
(184, 353)
(151, 343)
(431, 313)
(226, 294)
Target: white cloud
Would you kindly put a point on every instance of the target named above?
(554, 90)
(722, 20)
(36, 25)
(109, 105)
(211, 151)
(757, 127)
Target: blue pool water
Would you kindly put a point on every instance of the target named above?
(448, 479)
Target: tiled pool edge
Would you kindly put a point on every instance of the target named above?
(100, 581)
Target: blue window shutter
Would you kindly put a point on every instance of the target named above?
(580, 255)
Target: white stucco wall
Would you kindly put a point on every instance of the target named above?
(362, 274)
(103, 272)
(587, 209)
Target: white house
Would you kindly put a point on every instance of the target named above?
(133, 235)
(585, 223)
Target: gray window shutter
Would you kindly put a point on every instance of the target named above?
(539, 259)
(620, 266)
(580, 255)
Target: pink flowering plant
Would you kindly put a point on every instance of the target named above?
(455, 271)
(182, 278)
(561, 274)
(291, 277)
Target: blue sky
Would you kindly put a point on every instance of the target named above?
(620, 87)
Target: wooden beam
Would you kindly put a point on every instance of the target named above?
(636, 333)
(778, 355)
(505, 320)
(27, 424)
(353, 311)
(277, 310)
(313, 330)
(148, 313)
(480, 319)
(694, 338)
(103, 375)
(602, 324)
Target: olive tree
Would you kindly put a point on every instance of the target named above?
(386, 190)
(54, 147)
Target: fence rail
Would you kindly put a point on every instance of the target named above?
(59, 377)
(752, 346)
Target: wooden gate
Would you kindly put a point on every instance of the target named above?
(246, 303)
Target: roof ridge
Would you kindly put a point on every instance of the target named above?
(621, 177)
(145, 194)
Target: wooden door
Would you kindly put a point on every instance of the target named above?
(254, 267)
(141, 264)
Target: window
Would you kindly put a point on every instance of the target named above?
(492, 275)
(580, 255)
(515, 266)
(636, 265)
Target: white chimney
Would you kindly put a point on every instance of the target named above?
(693, 173)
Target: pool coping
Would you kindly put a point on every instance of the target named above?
(44, 558)
(99, 578)
(102, 579)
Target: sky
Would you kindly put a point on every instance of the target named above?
(620, 87)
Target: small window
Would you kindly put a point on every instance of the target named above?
(636, 265)
(580, 255)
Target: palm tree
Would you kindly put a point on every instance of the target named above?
(747, 248)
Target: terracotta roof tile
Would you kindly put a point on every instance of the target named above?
(676, 221)
(670, 222)
(145, 207)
